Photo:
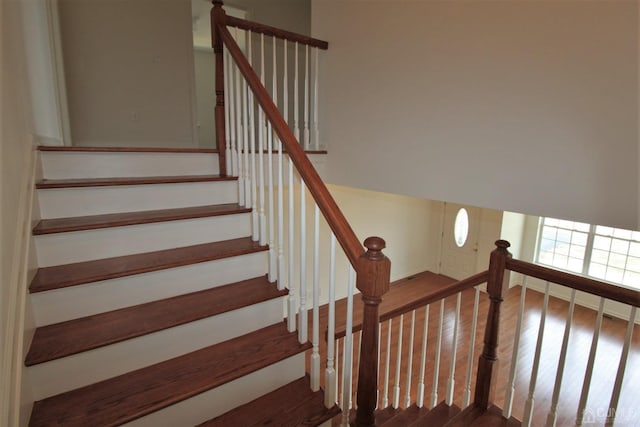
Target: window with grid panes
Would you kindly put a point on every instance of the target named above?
(605, 253)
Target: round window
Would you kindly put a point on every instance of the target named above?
(461, 227)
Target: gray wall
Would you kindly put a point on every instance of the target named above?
(524, 106)
(129, 71)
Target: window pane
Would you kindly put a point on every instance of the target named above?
(615, 274)
(619, 246)
(635, 235)
(551, 221)
(579, 239)
(560, 261)
(575, 265)
(634, 249)
(564, 236)
(603, 243)
(565, 224)
(598, 271)
(617, 260)
(633, 264)
(601, 257)
(577, 252)
(632, 279)
(604, 231)
(622, 234)
(549, 233)
(581, 226)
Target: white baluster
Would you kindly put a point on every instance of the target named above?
(407, 400)
(530, 403)
(232, 131)
(296, 106)
(553, 413)
(255, 225)
(245, 141)
(306, 98)
(228, 150)
(466, 395)
(451, 383)
(239, 142)
(356, 367)
(273, 272)
(586, 385)
(316, 130)
(315, 354)
(291, 306)
(230, 109)
(436, 366)
(281, 261)
(337, 358)
(330, 372)
(423, 359)
(302, 315)
(396, 386)
(261, 143)
(624, 358)
(348, 352)
(511, 386)
(378, 373)
(385, 393)
(285, 82)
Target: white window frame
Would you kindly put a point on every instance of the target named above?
(596, 235)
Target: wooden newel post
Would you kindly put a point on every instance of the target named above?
(497, 285)
(218, 17)
(374, 271)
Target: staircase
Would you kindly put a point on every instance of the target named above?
(151, 299)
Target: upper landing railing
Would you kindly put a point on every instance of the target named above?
(253, 136)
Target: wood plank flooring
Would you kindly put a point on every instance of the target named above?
(106, 182)
(606, 364)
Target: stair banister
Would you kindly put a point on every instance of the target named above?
(374, 272)
(372, 267)
(218, 15)
(497, 285)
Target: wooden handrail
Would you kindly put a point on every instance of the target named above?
(256, 27)
(591, 286)
(437, 295)
(327, 205)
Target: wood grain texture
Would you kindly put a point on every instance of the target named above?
(406, 416)
(277, 32)
(61, 276)
(584, 284)
(479, 417)
(126, 149)
(437, 416)
(147, 180)
(92, 222)
(402, 293)
(327, 205)
(75, 336)
(606, 363)
(135, 394)
(289, 406)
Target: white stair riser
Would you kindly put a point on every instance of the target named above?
(78, 246)
(70, 202)
(78, 165)
(216, 402)
(68, 373)
(74, 302)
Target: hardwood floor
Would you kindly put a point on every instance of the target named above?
(606, 363)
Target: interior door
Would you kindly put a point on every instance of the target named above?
(459, 248)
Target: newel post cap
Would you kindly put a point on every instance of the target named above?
(217, 3)
(374, 269)
(502, 244)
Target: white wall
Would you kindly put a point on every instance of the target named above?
(522, 106)
(129, 71)
(17, 157)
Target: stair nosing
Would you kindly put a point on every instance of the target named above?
(47, 184)
(251, 247)
(249, 296)
(71, 149)
(135, 218)
(172, 375)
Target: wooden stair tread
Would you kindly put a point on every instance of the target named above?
(91, 222)
(75, 336)
(105, 182)
(437, 416)
(289, 406)
(408, 289)
(382, 416)
(60, 276)
(479, 417)
(406, 416)
(126, 149)
(135, 394)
